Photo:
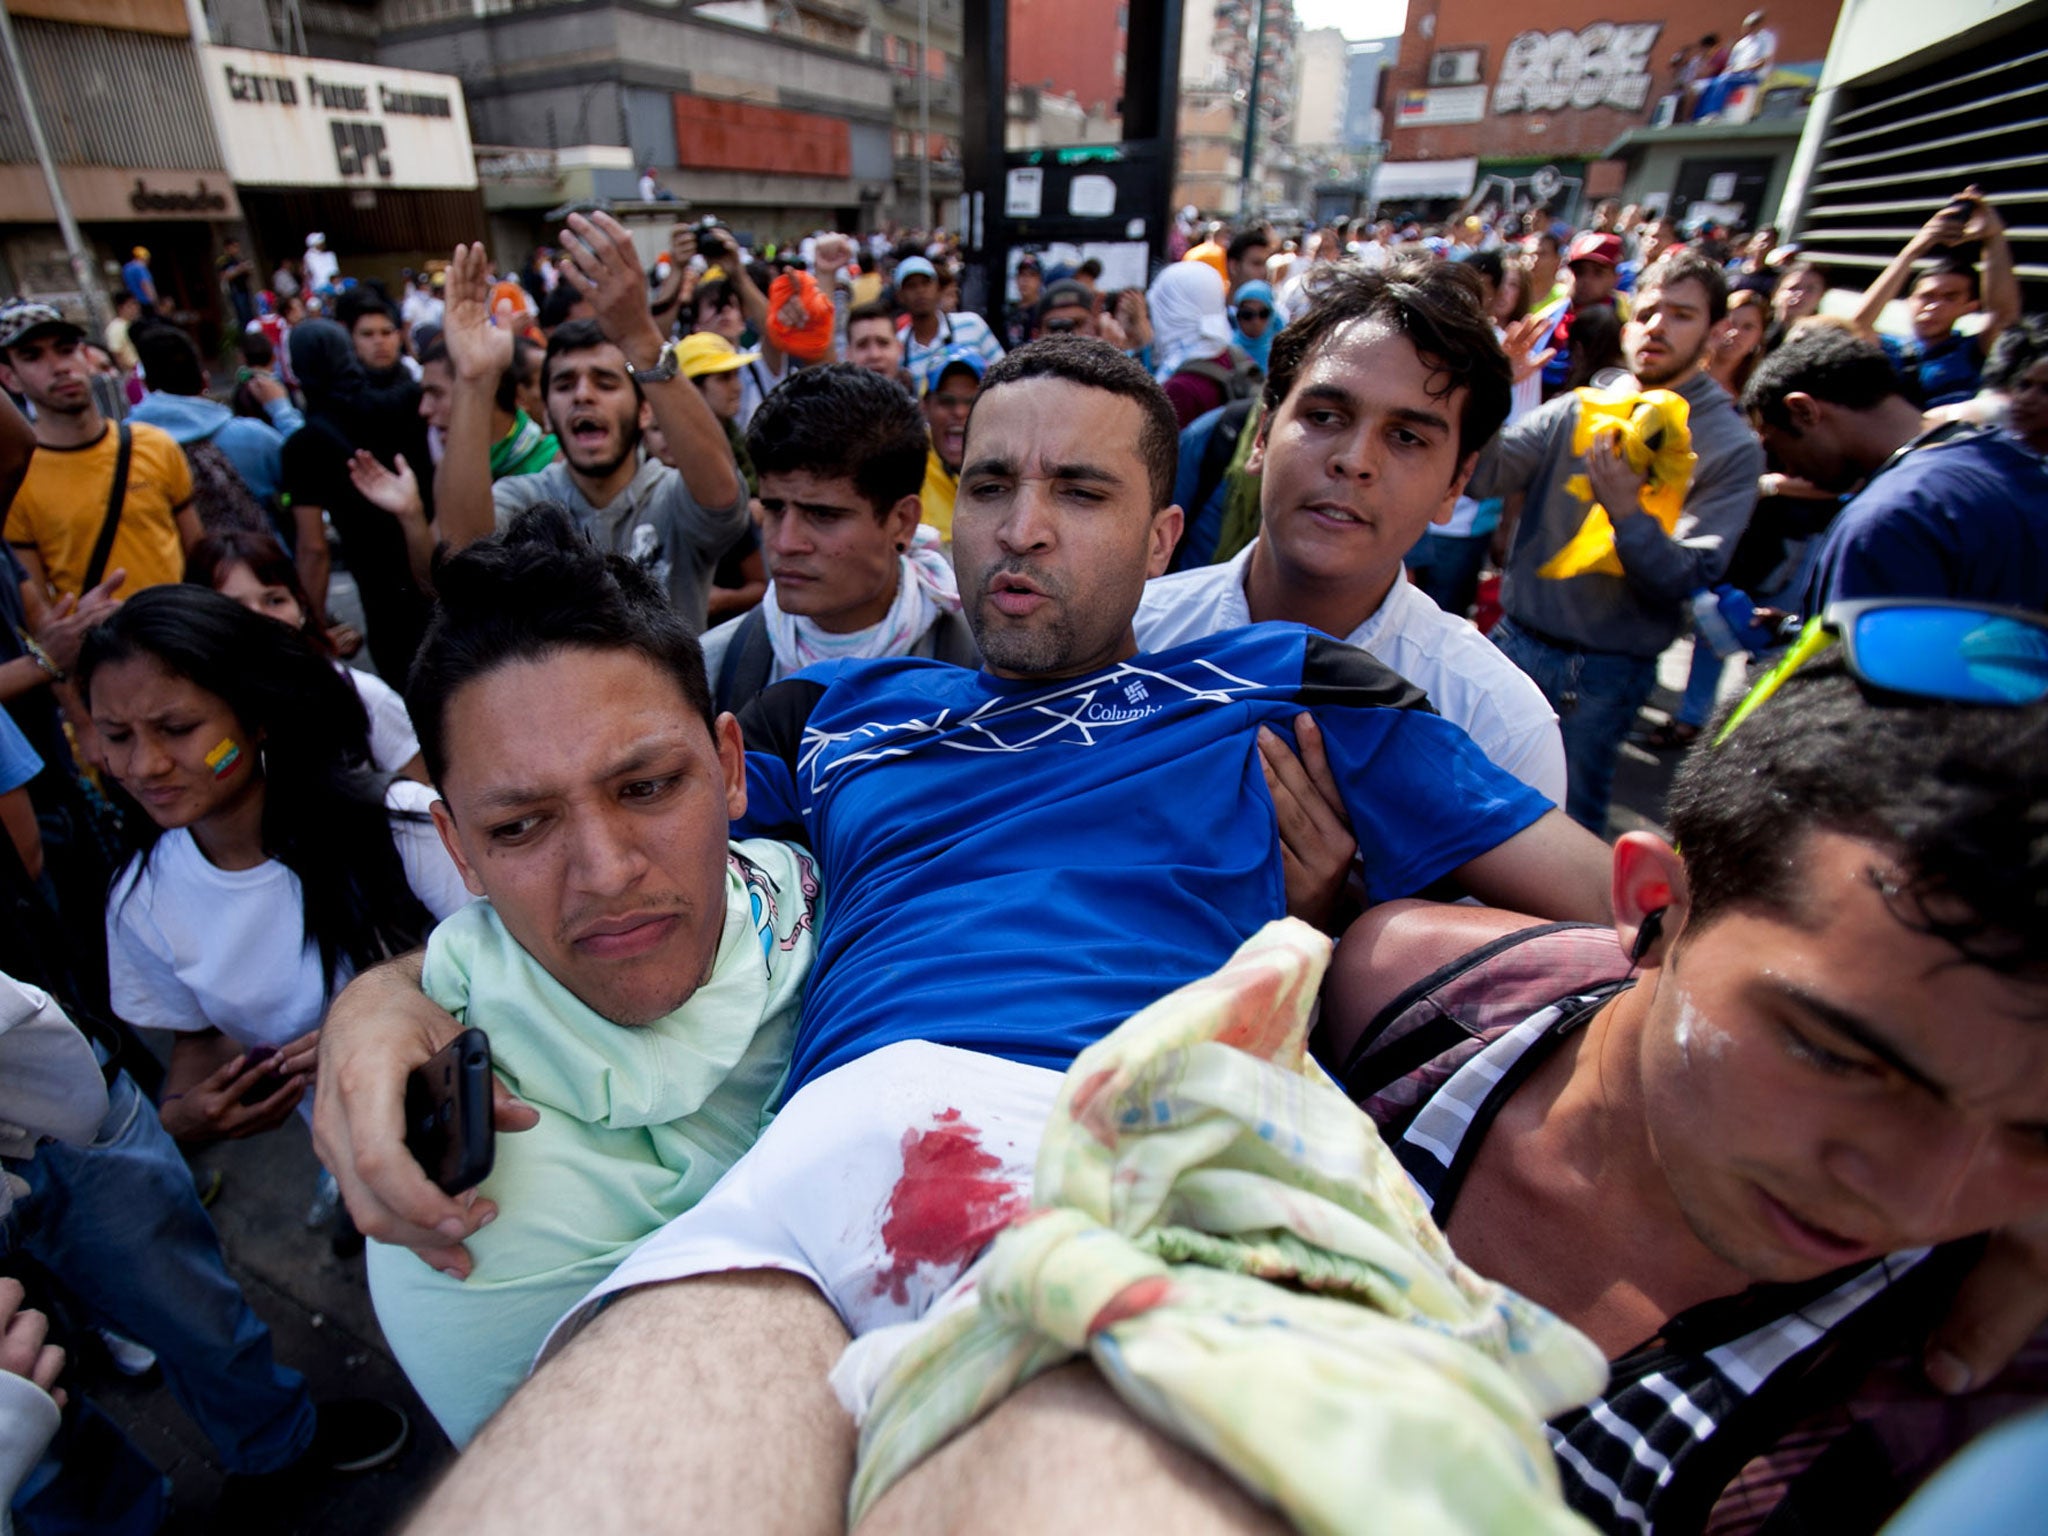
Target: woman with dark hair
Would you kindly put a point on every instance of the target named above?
(1596, 349)
(255, 570)
(348, 408)
(249, 762)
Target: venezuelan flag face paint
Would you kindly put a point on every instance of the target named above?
(226, 758)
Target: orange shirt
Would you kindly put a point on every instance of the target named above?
(63, 502)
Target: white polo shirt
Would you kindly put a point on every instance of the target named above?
(1468, 680)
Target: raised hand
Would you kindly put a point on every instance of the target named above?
(1132, 315)
(63, 629)
(477, 349)
(396, 491)
(1519, 342)
(605, 268)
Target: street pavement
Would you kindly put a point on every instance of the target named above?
(318, 1306)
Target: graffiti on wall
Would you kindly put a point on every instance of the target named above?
(1606, 64)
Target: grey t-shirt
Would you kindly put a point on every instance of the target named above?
(654, 521)
(1641, 611)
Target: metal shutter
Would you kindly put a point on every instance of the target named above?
(1896, 151)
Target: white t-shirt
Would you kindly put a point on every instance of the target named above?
(322, 267)
(1469, 681)
(420, 307)
(1748, 53)
(393, 742)
(192, 947)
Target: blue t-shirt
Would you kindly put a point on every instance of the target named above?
(1966, 517)
(1941, 372)
(1018, 867)
(135, 275)
(18, 760)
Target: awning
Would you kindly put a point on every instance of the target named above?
(1395, 180)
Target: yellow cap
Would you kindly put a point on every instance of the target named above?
(704, 352)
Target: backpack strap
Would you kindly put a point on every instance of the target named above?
(1495, 986)
(1219, 448)
(748, 661)
(117, 498)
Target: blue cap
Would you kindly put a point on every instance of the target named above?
(915, 266)
(956, 357)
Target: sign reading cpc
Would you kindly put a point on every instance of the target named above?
(286, 121)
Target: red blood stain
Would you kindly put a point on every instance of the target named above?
(947, 1204)
(1138, 1296)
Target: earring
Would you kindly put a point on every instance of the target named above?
(901, 546)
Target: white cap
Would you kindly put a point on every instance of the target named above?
(316, 238)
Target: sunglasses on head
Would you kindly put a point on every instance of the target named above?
(1921, 648)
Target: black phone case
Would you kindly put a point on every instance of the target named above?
(448, 1113)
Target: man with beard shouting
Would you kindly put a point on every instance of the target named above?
(604, 380)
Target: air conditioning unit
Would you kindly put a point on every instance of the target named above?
(1458, 66)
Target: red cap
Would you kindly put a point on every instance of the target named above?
(1588, 245)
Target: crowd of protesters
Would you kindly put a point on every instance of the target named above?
(797, 717)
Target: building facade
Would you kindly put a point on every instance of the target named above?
(1219, 39)
(379, 160)
(1523, 98)
(1916, 103)
(919, 41)
(117, 88)
(1073, 48)
(777, 132)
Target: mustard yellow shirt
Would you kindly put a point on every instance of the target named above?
(61, 505)
(941, 485)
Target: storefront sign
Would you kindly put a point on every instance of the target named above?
(197, 201)
(1444, 104)
(286, 121)
(1603, 65)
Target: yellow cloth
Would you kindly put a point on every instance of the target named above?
(1657, 439)
(61, 505)
(1195, 1157)
(941, 485)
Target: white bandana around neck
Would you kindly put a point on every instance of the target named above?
(925, 587)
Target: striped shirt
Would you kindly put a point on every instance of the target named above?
(1681, 1413)
(956, 330)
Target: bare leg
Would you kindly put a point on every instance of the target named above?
(699, 1405)
(1065, 1454)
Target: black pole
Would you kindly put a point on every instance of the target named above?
(984, 115)
(1251, 114)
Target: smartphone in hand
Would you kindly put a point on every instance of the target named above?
(264, 1086)
(448, 1113)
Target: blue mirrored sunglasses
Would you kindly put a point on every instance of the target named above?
(1925, 648)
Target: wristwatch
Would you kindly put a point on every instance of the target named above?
(663, 370)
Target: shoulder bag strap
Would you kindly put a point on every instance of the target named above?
(749, 659)
(96, 567)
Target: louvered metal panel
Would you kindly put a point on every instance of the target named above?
(109, 98)
(1897, 151)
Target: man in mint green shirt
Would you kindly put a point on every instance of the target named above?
(639, 975)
